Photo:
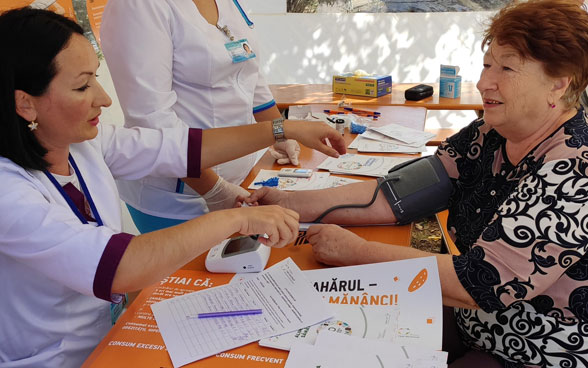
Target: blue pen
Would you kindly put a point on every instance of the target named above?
(334, 112)
(244, 312)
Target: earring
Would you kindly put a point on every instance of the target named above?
(33, 125)
(552, 106)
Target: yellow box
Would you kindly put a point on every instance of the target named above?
(372, 86)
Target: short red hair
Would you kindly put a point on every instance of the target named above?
(553, 32)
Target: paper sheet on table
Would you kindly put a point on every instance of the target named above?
(352, 164)
(330, 339)
(339, 351)
(304, 112)
(381, 301)
(337, 181)
(404, 134)
(369, 145)
(373, 135)
(299, 112)
(284, 294)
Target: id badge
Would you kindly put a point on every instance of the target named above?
(239, 50)
(117, 308)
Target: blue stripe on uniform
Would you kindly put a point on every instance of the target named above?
(265, 106)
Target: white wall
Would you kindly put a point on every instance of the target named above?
(310, 48)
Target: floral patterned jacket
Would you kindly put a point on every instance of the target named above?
(523, 234)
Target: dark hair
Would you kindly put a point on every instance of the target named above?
(553, 32)
(29, 41)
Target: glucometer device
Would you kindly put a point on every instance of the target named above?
(295, 173)
(238, 255)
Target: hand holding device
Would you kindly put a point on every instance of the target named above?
(279, 223)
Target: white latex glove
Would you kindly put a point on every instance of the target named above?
(223, 195)
(285, 152)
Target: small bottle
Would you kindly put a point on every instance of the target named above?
(340, 125)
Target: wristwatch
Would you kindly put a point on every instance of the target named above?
(278, 129)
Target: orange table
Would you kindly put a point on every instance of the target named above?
(286, 95)
(135, 341)
(305, 94)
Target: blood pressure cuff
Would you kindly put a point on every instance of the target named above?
(417, 188)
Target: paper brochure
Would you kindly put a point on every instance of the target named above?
(407, 135)
(333, 350)
(398, 302)
(318, 180)
(365, 165)
(284, 294)
(135, 341)
(370, 145)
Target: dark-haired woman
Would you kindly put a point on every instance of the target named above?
(64, 261)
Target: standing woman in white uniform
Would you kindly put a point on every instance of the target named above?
(185, 63)
(65, 263)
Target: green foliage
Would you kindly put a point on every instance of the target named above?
(306, 6)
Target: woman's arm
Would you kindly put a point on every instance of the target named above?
(135, 153)
(312, 203)
(224, 144)
(334, 245)
(204, 183)
(153, 256)
(267, 114)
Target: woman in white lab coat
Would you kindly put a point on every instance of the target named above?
(184, 63)
(65, 263)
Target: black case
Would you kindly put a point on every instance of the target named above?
(418, 92)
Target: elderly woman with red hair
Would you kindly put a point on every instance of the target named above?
(517, 200)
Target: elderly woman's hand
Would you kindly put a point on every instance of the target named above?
(266, 196)
(333, 245)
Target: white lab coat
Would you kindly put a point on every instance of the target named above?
(49, 316)
(170, 68)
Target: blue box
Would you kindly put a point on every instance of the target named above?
(449, 70)
(450, 87)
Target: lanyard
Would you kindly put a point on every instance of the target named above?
(225, 29)
(243, 14)
(84, 189)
